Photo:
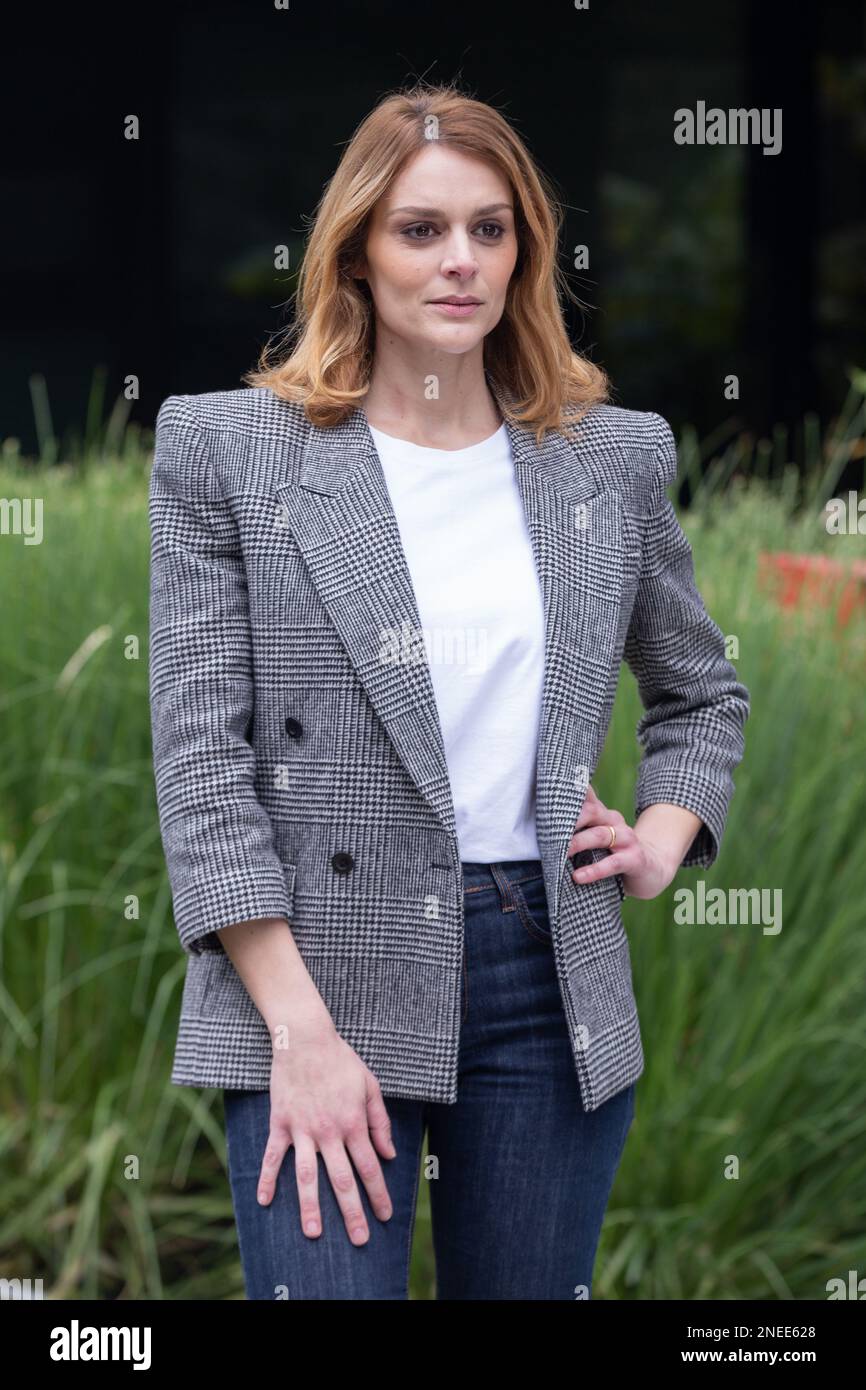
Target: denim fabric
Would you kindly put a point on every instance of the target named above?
(519, 1173)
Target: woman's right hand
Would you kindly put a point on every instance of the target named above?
(325, 1099)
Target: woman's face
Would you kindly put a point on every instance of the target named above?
(444, 231)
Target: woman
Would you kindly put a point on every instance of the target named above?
(392, 587)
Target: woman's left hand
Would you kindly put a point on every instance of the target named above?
(647, 869)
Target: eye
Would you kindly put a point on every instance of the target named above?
(416, 227)
(425, 231)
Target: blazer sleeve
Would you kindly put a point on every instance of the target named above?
(695, 706)
(217, 838)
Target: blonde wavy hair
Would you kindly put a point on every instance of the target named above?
(528, 353)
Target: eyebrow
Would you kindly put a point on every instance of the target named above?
(437, 212)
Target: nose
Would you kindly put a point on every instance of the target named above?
(459, 258)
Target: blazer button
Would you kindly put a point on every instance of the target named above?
(294, 727)
(342, 861)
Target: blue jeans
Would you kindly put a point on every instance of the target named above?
(522, 1174)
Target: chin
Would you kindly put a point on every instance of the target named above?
(458, 342)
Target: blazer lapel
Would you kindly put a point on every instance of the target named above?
(577, 539)
(341, 517)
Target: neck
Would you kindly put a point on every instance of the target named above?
(434, 399)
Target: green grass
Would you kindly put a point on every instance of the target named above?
(113, 1182)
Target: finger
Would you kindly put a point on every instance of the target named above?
(591, 812)
(378, 1121)
(346, 1190)
(597, 811)
(586, 822)
(279, 1140)
(598, 837)
(598, 814)
(369, 1170)
(307, 1180)
(605, 868)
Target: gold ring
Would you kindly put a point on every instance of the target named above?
(612, 829)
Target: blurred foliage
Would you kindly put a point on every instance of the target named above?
(753, 1042)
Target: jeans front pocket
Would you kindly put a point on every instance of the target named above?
(530, 897)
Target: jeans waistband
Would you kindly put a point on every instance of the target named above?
(506, 865)
(479, 876)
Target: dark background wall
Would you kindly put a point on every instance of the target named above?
(155, 257)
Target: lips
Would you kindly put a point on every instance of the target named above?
(455, 307)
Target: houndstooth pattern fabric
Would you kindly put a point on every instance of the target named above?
(294, 720)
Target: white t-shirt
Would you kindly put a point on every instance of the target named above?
(464, 535)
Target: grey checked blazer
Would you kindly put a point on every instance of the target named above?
(300, 770)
